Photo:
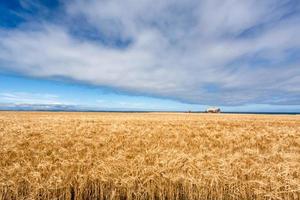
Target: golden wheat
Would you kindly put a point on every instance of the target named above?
(148, 156)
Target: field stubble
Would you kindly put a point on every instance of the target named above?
(148, 156)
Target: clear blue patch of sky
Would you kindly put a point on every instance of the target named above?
(8, 16)
(15, 13)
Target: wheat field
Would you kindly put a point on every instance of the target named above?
(148, 156)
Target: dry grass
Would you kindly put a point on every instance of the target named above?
(148, 156)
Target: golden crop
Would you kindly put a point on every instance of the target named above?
(148, 156)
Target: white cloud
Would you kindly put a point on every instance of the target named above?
(194, 51)
(29, 98)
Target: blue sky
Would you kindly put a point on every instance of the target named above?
(240, 55)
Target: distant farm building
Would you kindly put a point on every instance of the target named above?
(213, 110)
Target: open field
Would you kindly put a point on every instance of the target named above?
(148, 156)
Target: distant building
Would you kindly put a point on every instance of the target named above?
(213, 110)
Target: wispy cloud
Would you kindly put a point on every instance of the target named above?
(228, 52)
(29, 98)
(45, 107)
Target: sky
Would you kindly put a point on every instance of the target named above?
(239, 55)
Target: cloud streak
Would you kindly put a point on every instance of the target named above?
(207, 52)
(29, 98)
